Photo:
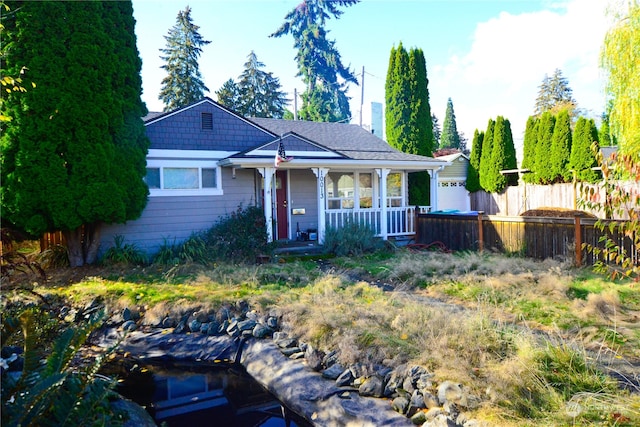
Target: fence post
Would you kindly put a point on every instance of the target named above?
(578, 240)
(480, 232)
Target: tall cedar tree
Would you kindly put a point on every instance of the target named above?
(398, 99)
(554, 95)
(619, 58)
(529, 148)
(502, 157)
(450, 137)
(473, 172)
(319, 62)
(560, 149)
(74, 156)
(583, 159)
(485, 157)
(436, 132)
(542, 171)
(183, 84)
(260, 93)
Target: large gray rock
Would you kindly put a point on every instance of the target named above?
(372, 386)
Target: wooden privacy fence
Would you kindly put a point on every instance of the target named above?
(535, 237)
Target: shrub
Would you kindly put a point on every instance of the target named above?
(352, 239)
(239, 237)
(194, 249)
(124, 253)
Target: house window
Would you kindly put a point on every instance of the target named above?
(182, 178)
(394, 190)
(340, 190)
(207, 121)
(365, 190)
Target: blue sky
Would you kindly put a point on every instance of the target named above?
(489, 57)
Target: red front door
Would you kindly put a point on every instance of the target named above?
(282, 205)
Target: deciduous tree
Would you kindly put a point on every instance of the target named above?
(183, 84)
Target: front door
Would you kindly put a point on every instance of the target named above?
(282, 204)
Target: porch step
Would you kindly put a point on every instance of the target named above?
(298, 248)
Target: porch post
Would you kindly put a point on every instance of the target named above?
(384, 226)
(267, 174)
(320, 174)
(433, 173)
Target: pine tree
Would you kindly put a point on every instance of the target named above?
(319, 62)
(543, 173)
(485, 158)
(436, 132)
(183, 84)
(229, 95)
(583, 159)
(554, 95)
(473, 171)
(529, 148)
(558, 157)
(450, 136)
(260, 93)
(74, 156)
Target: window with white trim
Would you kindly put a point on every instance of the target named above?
(394, 190)
(183, 178)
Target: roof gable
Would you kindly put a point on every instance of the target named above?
(204, 125)
(294, 145)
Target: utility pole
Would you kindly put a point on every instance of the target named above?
(295, 104)
(361, 95)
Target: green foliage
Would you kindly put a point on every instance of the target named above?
(619, 58)
(239, 237)
(558, 157)
(257, 93)
(485, 157)
(450, 136)
(554, 94)
(503, 156)
(183, 84)
(473, 172)
(55, 393)
(194, 249)
(541, 169)
(123, 253)
(617, 250)
(54, 257)
(353, 239)
(319, 61)
(68, 162)
(529, 148)
(583, 158)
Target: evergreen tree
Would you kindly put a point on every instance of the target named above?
(436, 132)
(260, 93)
(502, 157)
(542, 171)
(229, 95)
(583, 159)
(408, 114)
(74, 156)
(619, 56)
(473, 171)
(554, 94)
(183, 84)
(485, 157)
(319, 61)
(604, 134)
(450, 136)
(529, 148)
(558, 157)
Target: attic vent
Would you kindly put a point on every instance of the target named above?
(207, 121)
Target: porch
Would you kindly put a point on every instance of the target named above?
(400, 221)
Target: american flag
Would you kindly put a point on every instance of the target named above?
(281, 156)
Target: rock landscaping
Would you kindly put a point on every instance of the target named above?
(308, 381)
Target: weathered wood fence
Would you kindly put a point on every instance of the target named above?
(535, 237)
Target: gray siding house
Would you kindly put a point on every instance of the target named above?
(205, 161)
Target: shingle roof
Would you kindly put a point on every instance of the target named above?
(347, 139)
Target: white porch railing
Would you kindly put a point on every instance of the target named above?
(400, 221)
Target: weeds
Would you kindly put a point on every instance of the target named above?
(124, 253)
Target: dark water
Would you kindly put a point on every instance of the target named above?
(196, 396)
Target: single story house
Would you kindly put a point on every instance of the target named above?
(205, 161)
(452, 181)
